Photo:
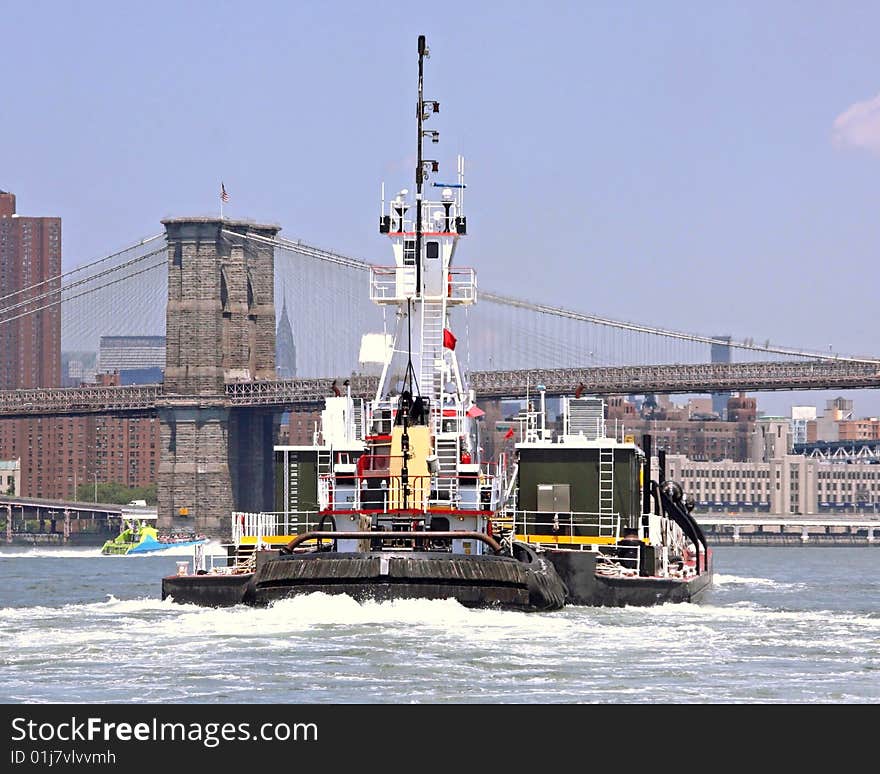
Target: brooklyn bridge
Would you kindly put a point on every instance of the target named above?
(212, 288)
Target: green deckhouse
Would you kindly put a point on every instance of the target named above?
(580, 487)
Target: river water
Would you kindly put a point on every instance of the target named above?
(780, 625)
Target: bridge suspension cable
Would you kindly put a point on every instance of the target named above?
(509, 301)
(86, 292)
(308, 250)
(82, 267)
(338, 259)
(691, 337)
(78, 283)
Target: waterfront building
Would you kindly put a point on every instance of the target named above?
(790, 484)
(801, 416)
(59, 454)
(10, 477)
(867, 429)
(825, 428)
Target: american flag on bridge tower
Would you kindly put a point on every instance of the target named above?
(224, 197)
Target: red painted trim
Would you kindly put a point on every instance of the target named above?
(409, 512)
(424, 233)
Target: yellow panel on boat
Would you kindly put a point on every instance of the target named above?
(417, 468)
(568, 540)
(275, 540)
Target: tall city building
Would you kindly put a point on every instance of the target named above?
(30, 281)
(720, 353)
(136, 359)
(285, 349)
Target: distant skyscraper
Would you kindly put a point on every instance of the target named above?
(137, 359)
(30, 261)
(720, 354)
(285, 349)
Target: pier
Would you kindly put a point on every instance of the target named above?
(32, 521)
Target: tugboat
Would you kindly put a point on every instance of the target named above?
(392, 501)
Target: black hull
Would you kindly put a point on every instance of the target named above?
(585, 587)
(526, 583)
(209, 590)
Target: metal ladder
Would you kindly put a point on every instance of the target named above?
(325, 461)
(292, 485)
(446, 450)
(433, 316)
(357, 418)
(447, 455)
(606, 486)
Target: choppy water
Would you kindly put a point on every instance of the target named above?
(789, 624)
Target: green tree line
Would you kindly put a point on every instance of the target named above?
(116, 493)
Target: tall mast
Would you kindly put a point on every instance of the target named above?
(420, 113)
(410, 371)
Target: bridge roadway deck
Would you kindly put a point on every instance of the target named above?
(616, 380)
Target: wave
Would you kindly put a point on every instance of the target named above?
(163, 622)
(84, 609)
(760, 614)
(737, 580)
(212, 548)
(318, 610)
(51, 553)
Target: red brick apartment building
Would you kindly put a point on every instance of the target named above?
(57, 453)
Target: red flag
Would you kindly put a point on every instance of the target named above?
(508, 434)
(579, 390)
(448, 339)
(474, 412)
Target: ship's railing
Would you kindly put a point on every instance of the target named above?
(570, 524)
(267, 524)
(578, 527)
(614, 559)
(437, 218)
(381, 491)
(395, 283)
(392, 284)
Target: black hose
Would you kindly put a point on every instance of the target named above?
(322, 529)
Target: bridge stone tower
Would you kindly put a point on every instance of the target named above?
(220, 328)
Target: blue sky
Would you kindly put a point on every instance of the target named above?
(710, 167)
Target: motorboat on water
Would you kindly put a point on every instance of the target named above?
(393, 499)
(138, 537)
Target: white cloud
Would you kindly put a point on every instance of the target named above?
(859, 126)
